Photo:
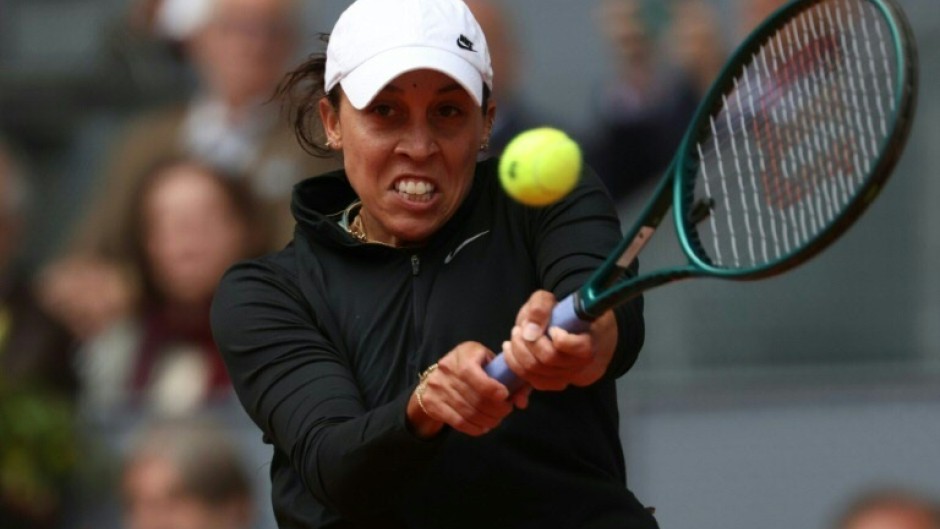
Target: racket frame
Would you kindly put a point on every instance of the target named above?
(608, 287)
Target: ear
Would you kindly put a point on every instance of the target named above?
(329, 117)
(488, 119)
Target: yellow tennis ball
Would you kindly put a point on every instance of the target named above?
(540, 166)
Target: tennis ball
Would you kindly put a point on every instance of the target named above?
(540, 166)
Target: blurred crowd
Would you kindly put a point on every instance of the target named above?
(107, 365)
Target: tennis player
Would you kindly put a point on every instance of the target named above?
(358, 349)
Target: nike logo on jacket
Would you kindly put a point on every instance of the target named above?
(451, 255)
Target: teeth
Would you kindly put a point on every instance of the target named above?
(414, 187)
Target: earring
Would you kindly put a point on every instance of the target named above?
(328, 143)
(485, 144)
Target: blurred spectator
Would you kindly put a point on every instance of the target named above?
(140, 63)
(240, 49)
(695, 42)
(37, 446)
(513, 115)
(189, 223)
(667, 55)
(644, 109)
(750, 13)
(185, 475)
(34, 350)
(890, 509)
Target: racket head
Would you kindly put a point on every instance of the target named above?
(795, 138)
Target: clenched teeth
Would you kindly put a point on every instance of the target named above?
(415, 188)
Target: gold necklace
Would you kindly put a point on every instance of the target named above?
(354, 227)
(357, 230)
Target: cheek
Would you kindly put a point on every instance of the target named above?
(364, 158)
(461, 158)
(206, 248)
(164, 248)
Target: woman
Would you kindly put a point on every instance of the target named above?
(187, 223)
(412, 260)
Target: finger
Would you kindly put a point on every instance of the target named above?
(487, 415)
(440, 394)
(526, 366)
(523, 358)
(470, 402)
(543, 357)
(531, 331)
(454, 419)
(474, 413)
(528, 363)
(573, 346)
(537, 310)
(468, 389)
(520, 399)
(467, 367)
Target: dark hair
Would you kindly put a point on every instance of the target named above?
(211, 467)
(300, 92)
(233, 186)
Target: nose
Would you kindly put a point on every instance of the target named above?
(419, 141)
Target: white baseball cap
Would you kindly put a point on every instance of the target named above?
(375, 41)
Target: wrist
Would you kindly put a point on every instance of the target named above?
(422, 423)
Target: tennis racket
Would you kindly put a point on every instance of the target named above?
(788, 148)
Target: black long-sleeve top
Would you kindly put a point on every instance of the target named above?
(325, 339)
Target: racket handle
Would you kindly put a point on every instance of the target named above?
(564, 315)
(498, 369)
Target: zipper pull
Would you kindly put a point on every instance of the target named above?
(415, 265)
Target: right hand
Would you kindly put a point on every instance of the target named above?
(86, 294)
(461, 395)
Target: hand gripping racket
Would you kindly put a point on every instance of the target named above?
(788, 148)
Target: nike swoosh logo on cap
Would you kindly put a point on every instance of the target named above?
(451, 255)
(464, 43)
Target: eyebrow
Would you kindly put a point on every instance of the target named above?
(447, 88)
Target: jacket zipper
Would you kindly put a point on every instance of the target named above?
(417, 313)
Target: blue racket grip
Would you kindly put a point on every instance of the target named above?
(565, 316)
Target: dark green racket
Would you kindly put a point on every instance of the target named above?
(789, 147)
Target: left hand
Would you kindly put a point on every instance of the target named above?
(553, 362)
(458, 393)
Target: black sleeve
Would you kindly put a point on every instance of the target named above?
(572, 238)
(298, 389)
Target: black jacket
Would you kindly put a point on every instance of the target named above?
(325, 339)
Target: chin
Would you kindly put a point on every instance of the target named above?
(416, 235)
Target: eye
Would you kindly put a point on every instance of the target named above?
(384, 110)
(449, 111)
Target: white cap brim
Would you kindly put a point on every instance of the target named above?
(366, 80)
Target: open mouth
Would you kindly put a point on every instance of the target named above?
(415, 189)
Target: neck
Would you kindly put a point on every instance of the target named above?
(372, 232)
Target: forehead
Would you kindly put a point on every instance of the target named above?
(281, 8)
(425, 80)
(181, 185)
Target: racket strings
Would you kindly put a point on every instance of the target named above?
(797, 133)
